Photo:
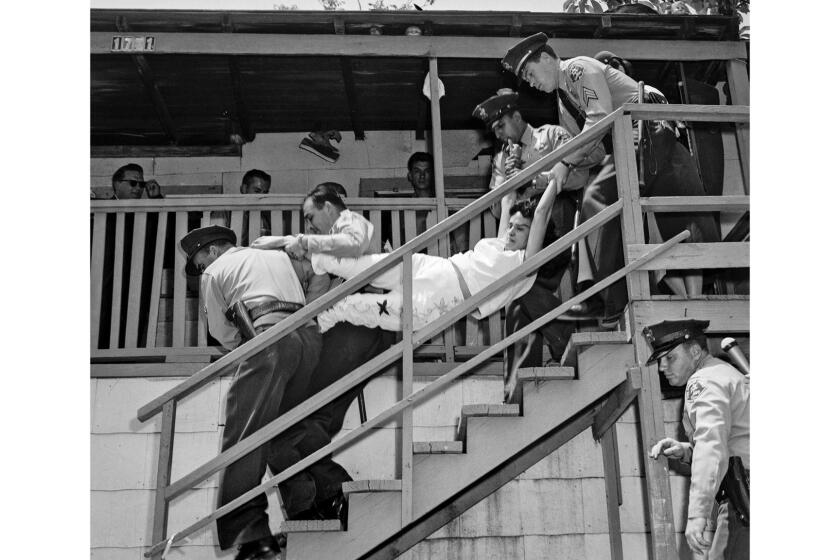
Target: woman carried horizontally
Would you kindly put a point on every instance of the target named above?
(440, 284)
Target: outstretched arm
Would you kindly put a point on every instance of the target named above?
(504, 215)
(541, 218)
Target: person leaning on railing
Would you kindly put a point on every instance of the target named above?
(587, 90)
(439, 284)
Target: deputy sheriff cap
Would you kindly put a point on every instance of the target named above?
(201, 237)
(604, 57)
(667, 335)
(494, 108)
(519, 54)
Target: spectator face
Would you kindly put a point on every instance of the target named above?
(508, 128)
(130, 186)
(421, 176)
(541, 73)
(318, 220)
(255, 185)
(516, 237)
(678, 365)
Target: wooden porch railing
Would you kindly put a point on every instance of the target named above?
(630, 210)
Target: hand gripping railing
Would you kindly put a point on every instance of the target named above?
(410, 341)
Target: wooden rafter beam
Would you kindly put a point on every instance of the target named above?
(423, 47)
(242, 114)
(349, 86)
(147, 76)
(617, 403)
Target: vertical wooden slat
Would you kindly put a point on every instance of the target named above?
(116, 296)
(179, 296)
(739, 89)
(410, 217)
(296, 227)
(138, 246)
(254, 225)
(494, 322)
(205, 218)
(473, 337)
(201, 318)
(658, 485)
(276, 222)
(164, 470)
(437, 153)
(489, 224)
(376, 220)
(157, 272)
(396, 241)
(612, 482)
(407, 451)
(97, 267)
(236, 219)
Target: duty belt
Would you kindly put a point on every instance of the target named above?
(273, 307)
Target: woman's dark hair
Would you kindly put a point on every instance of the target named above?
(526, 207)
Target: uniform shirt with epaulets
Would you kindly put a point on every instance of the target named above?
(350, 236)
(597, 90)
(716, 418)
(242, 274)
(539, 142)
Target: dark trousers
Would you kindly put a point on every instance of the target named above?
(669, 170)
(345, 347)
(255, 398)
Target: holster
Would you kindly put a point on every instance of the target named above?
(238, 315)
(736, 488)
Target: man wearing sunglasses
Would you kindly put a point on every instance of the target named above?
(128, 183)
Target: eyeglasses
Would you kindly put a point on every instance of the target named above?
(133, 182)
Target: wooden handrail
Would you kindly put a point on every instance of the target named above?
(287, 325)
(240, 202)
(422, 394)
(695, 203)
(687, 112)
(365, 371)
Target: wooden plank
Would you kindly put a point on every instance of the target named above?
(179, 312)
(376, 220)
(164, 470)
(116, 294)
(688, 112)
(276, 222)
(396, 240)
(612, 484)
(407, 434)
(696, 255)
(134, 370)
(438, 447)
(97, 267)
(311, 526)
(695, 203)
(365, 486)
(157, 272)
(129, 152)
(437, 153)
(254, 224)
(410, 217)
(296, 227)
(495, 327)
(352, 98)
(473, 333)
(237, 217)
(155, 354)
(739, 89)
(724, 316)
(421, 47)
(132, 315)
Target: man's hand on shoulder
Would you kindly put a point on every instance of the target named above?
(295, 247)
(272, 241)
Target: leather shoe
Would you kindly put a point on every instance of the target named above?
(591, 308)
(264, 549)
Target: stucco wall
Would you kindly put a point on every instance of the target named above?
(556, 509)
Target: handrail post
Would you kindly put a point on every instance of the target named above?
(407, 436)
(164, 472)
(651, 421)
(739, 89)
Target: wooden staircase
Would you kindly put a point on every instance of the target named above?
(493, 444)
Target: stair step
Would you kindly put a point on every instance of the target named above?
(382, 485)
(435, 447)
(580, 339)
(311, 525)
(546, 373)
(479, 410)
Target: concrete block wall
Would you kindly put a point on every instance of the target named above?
(555, 509)
(382, 154)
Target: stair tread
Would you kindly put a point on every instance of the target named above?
(581, 339)
(490, 409)
(432, 447)
(545, 373)
(311, 525)
(380, 485)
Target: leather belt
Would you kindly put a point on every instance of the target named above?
(273, 307)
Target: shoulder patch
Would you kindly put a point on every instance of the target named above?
(694, 390)
(575, 72)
